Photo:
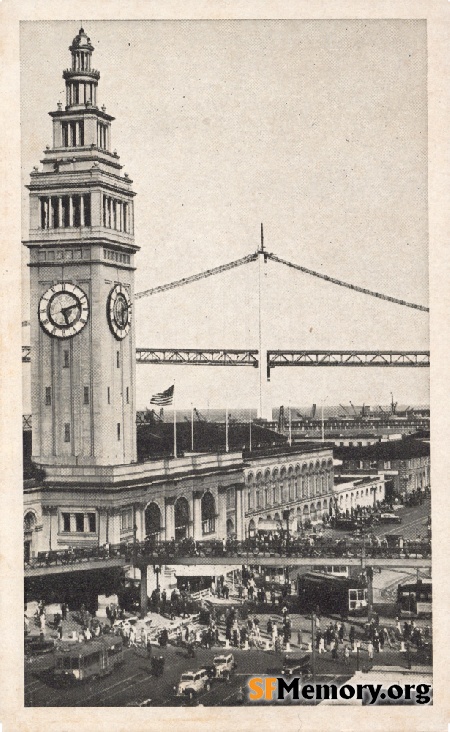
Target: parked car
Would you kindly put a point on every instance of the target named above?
(192, 683)
(296, 665)
(390, 518)
(224, 665)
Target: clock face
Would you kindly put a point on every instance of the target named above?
(119, 311)
(63, 310)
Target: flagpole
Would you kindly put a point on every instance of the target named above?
(226, 427)
(290, 426)
(174, 424)
(192, 427)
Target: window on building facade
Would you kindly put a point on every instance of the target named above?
(92, 523)
(66, 360)
(108, 394)
(86, 395)
(48, 395)
(67, 432)
(72, 133)
(126, 519)
(115, 215)
(79, 522)
(65, 521)
(118, 430)
(59, 212)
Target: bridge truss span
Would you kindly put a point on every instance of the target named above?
(348, 358)
(198, 356)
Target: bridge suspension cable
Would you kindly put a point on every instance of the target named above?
(356, 288)
(199, 276)
(267, 255)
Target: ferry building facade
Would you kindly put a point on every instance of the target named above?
(89, 489)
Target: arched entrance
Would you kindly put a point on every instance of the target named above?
(208, 514)
(152, 519)
(230, 527)
(29, 524)
(181, 519)
(251, 528)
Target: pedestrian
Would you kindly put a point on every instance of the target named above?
(370, 650)
(132, 637)
(341, 632)
(322, 644)
(352, 636)
(299, 638)
(334, 652)
(64, 609)
(347, 655)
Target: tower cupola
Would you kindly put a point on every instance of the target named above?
(81, 80)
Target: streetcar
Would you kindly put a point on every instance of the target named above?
(331, 594)
(88, 660)
(414, 598)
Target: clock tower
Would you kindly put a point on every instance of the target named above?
(82, 250)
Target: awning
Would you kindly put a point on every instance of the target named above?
(270, 525)
(203, 570)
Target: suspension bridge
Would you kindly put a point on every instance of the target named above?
(264, 358)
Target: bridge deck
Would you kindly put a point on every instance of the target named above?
(383, 563)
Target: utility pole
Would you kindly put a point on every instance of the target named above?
(262, 259)
(313, 648)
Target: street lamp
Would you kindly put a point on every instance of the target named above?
(313, 648)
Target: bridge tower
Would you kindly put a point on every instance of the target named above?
(82, 249)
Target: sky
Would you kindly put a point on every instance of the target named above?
(318, 129)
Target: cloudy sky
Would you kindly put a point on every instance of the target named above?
(316, 128)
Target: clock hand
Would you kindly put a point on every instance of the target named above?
(66, 310)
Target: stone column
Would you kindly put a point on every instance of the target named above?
(70, 211)
(81, 210)
(221, 526)
(197, 515)
(60, 212)
(139, 522)
(114, 527)
(170, 518)
(143, 591)
(239, 512)
(103, 519)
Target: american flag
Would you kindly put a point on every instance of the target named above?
(164, 398)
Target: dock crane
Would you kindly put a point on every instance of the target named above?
(393, 404)
(199, 416)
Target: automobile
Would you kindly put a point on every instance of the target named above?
(296, 665)
(145, 703)
(224, 665)
(36, 646)
(346, 524)
(192, 683)
(390, 518)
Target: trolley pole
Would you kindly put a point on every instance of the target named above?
(369, 574)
